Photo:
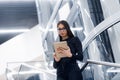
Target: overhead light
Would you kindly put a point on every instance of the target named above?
(13, 31)
(14, 0)
(102, 0)
(73, 29)
(76, 29)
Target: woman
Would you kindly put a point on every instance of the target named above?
(67, 68)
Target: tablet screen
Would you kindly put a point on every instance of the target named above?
(62, 44)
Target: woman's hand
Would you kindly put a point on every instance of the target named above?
(57, 59)
(65, 52)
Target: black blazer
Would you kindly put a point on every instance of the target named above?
(65, 65)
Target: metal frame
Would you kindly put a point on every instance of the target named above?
(99, 63)
(107, 23)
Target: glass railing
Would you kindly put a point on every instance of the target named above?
(105, 70)
(91, 70)
(37, 70)
(34, 70)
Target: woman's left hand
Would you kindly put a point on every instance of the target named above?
(65, 52)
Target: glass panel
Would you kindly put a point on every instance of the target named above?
(88, 73)
(104, 72)
(30, 71)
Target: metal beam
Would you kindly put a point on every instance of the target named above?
(107, 23)
(55, 11)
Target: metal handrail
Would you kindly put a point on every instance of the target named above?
(99, 63)
(31, 66)
(107, 23)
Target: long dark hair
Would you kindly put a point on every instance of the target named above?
(67, 27)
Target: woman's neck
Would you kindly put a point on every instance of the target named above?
(63, 38)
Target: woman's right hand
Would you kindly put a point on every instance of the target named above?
(57, 59)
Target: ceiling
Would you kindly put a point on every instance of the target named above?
(16, 14)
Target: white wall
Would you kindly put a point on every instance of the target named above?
(24, 47)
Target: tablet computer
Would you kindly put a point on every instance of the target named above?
(62, 44)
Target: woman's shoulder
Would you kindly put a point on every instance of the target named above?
(74, 39)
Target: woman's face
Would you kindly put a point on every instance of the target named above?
(62, 30)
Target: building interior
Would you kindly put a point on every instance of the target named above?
(28, 29)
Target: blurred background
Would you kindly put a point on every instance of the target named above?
(28, 30)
